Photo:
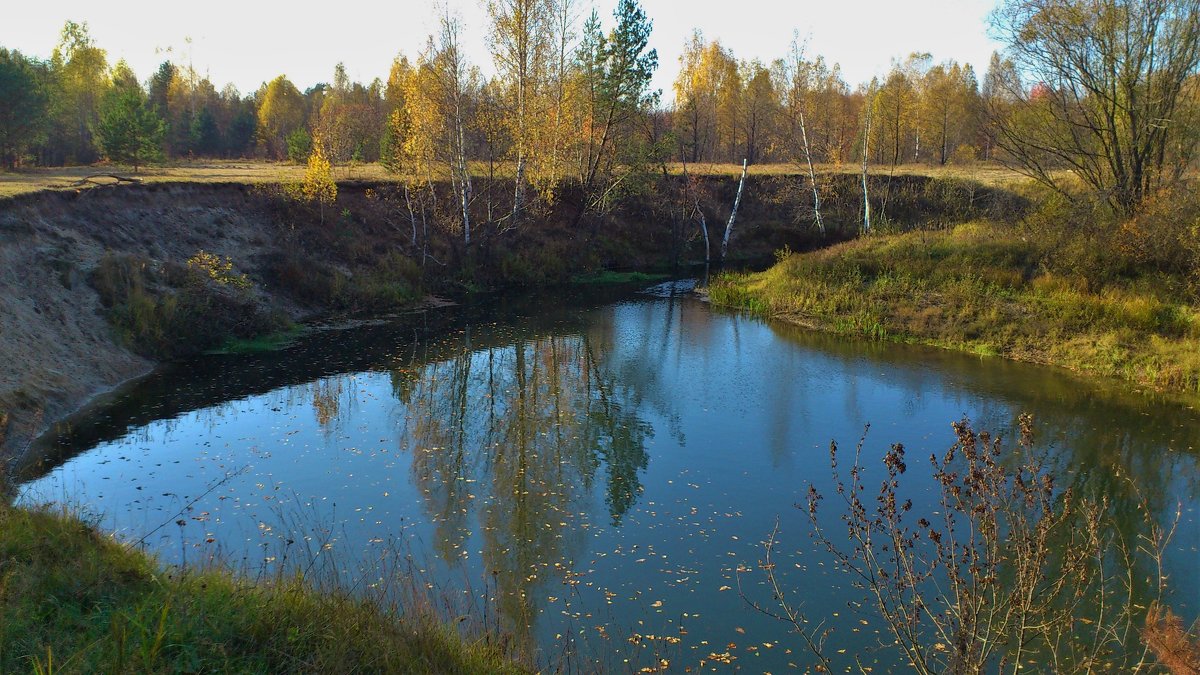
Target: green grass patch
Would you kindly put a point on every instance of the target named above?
(610, 277)
(73, 600)
(986, 289)
(271, 342)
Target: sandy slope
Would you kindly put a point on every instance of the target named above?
(56, 349)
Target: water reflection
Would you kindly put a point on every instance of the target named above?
(515, 435)
(603, 464)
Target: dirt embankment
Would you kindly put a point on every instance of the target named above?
(96, 287)
(57, 345)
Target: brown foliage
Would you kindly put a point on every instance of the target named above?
(1172, 645)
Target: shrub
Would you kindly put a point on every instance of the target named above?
(212, 268)
(390, 281)
(1165, 234)
(170, 310)
(1013, 565)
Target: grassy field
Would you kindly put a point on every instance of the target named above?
(985, 173)
(247, 171)
(986, 289)
(75, 601)
(262, 172)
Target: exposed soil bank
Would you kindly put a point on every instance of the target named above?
(97, 286)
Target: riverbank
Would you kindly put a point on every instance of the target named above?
(98, 285)
(73, 600)
(989, 289)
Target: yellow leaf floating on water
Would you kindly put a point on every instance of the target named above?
(740, 630)
(723, 588)
(657, 603)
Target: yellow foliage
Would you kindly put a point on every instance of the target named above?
(217, 269)
(318, 185)
(280, 111)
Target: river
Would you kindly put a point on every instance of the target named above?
(593, 472)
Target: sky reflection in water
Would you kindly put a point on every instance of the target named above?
(602, 466)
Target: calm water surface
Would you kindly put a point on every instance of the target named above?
(604, 469)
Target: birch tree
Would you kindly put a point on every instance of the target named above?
(438, 100)
(796, 83)
(737, 202)
(949, 107)
(280, 112)
(564, 121)
(759, 110)
(522, 43)
(868, 110)
(80, 71)
(708, 90)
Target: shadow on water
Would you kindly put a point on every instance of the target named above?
(404, 341)
(607, 462)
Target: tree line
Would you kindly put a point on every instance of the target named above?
(1107, 91)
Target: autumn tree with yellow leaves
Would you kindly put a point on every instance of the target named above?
(318, 185)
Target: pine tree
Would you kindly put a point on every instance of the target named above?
(128, 130)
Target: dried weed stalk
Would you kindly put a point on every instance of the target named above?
(1009, 571)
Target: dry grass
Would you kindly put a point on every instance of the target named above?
(263, 172)
(234, 171)
(986, 173)
(984, 289)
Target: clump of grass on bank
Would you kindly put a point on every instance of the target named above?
(995, 290)
(607, 277)
(75, 601)
(261, 344)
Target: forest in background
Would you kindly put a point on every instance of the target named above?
(569, 100)
(1097, 100)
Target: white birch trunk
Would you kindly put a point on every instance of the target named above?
(812, 177)
(737, 201)
(518, 189)
(866, 153)
(412, 215)
(464, 169)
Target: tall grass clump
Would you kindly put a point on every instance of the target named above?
(75, 601)
(1068, 285)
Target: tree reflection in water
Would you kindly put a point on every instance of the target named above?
(513, 436)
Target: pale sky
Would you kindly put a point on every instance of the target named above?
(247, 42)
